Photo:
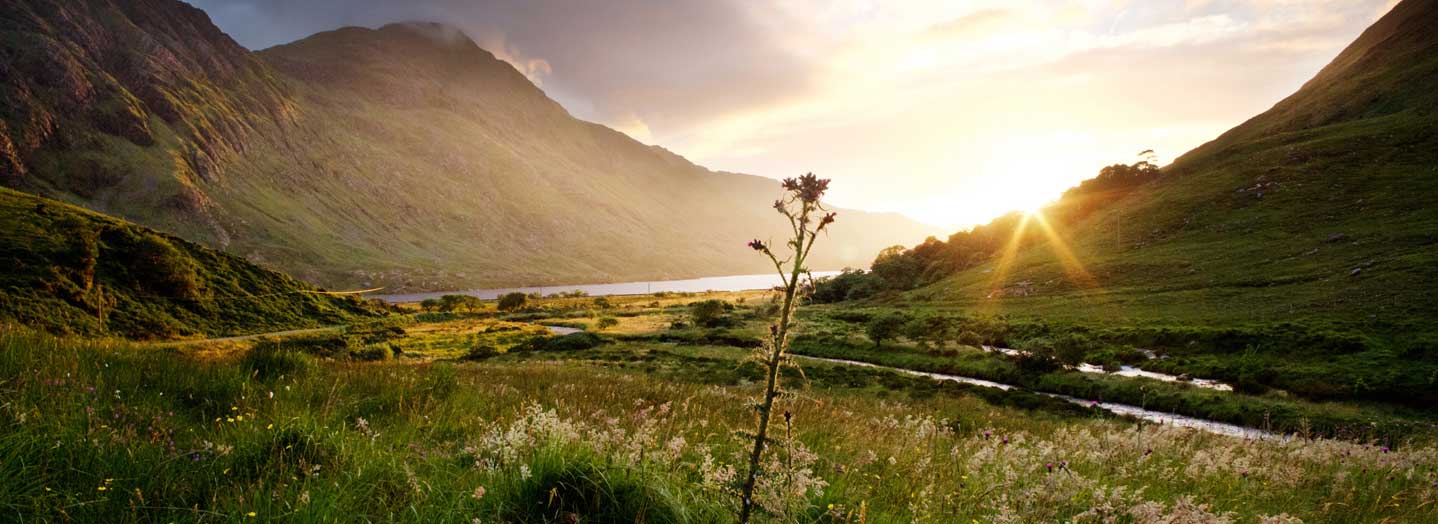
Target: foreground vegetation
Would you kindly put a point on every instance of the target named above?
(622, 427)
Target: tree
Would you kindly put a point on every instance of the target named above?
(884, 326)
(429, 304)
(800, 205)
(512, 301)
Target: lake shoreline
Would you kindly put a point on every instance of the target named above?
(688, 285)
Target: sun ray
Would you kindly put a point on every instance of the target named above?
(1006, 260)
(1072, 265)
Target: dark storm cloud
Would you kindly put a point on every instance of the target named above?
(667, 64)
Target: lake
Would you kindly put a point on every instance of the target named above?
(692, 285)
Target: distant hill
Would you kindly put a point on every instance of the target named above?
(68, 270)
(404, 156)
(1317, 210)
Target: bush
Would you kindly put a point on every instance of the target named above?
(607, 322)
(481, 352)
(884, 327)
(267, 362)
(574, 342)
(449, 303)
(1037, 357)
(571, 342)
(970, 338)
(1072, 348)
(603, 303)
(164, 270)
(374, 352)
(710, 313)
(512, 301)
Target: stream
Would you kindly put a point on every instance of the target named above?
(1159, 417)
(1130, 371)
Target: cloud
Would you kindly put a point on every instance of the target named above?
(669, 64)
(978, 23)
(950, 111)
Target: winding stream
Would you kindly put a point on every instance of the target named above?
(1130, 371)
(1160, 417)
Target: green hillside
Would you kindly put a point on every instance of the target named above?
(73, 271)
(1298, 251)
(1317, 210)
(404, 156)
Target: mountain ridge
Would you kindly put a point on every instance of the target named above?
(404, 156)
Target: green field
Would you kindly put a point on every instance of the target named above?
(634, 429)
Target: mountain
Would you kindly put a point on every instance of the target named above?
(404, 156)
(1318, 210)
(69, 270)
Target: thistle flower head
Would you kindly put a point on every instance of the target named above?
(758, 245)
(808, 188)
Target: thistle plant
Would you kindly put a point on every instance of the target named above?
(802, 206)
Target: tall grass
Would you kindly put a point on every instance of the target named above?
(100, 431)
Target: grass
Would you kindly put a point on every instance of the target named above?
(74, 271)
(106, 430)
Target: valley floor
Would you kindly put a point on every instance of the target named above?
(639, 426)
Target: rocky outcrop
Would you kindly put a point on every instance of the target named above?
(76, 73)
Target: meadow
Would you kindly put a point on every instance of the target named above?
(324, 428)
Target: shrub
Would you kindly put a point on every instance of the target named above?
(607, 322)
(603, 303)
(481, 352)
(512, 301)
(574, 342)
(1071, 348)
(970, 338)
(571, 342)
(884, 327)
(1037, 357)
(709, 313)
(267, 362)
(457, 302)
(164, 270)
(374, 352)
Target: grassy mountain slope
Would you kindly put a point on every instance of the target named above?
(406, 156)
(1318, 210)
(73, 271)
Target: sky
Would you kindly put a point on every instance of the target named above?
(951, 112)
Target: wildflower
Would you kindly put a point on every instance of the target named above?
(758, 245)
(250, 514)
(1050, 466)
(828, 219)
(478, 493)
